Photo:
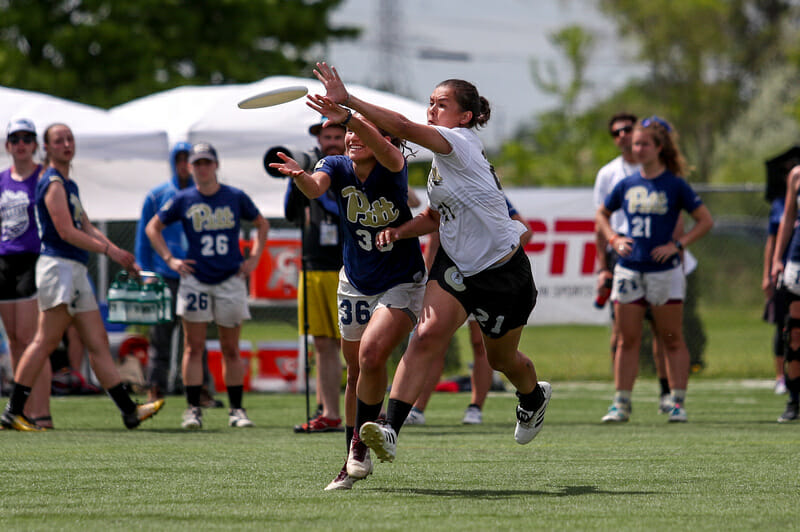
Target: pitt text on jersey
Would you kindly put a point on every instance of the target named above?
(380, 213)
(205, 218)
(643, 202)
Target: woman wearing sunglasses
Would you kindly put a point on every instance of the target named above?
(19, 249)
(650, 270)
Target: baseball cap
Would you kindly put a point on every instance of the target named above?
(20, 124)
(316, 129)
(203, 150)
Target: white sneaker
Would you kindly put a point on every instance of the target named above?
(380, 438)
(618, 412)
(415, 417)
(192, 418)
(678, 414)
(343, 481)
(780, 387)
(359, 463)
(472, 416)
(529, 423)
(237, 417)
(665, 404)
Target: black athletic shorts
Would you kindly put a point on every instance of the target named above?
(18, 276)
(501, 298)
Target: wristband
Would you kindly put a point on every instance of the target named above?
(612, 239)
(678, 244)
(168, 258)
(349, 116)
(105, 252)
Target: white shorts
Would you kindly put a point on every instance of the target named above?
(224, 303)
(64, 281)
(657, 288)
(791, 277)
(355, 308)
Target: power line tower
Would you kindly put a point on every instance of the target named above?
(391, 68)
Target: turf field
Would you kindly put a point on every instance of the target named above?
(731, 467)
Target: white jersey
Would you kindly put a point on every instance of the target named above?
(607, 178)
(474, 228)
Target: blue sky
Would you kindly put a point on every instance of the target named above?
(499, 43)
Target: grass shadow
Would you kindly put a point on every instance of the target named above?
(563, 491)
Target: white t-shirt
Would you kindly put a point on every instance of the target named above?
(607, 178)
(474, 229)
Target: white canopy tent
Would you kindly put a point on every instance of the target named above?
(116, 161)
(242, 136)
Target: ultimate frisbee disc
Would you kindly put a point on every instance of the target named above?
(273, 97)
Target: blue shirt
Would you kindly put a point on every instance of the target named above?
(211, 224)
(365, 210)
(52, 243)
(652, 207)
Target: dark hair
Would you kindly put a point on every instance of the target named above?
(632, 118)
(467, 97)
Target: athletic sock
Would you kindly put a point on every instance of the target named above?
(365, 412)
(121, 398)
(474, 405)
(235, 396)
(623, 396)
(664, 386)
(678, 396)
(193, 395)
(19, 396)
(349, 430)
(793, 387)
(396, 413)
(532, 401)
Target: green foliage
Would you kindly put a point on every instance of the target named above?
(106, 53)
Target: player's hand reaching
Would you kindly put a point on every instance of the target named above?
(334, 86)
(247, 267)
(334, 112)
(288, 167)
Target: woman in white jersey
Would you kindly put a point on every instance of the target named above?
(480, 267)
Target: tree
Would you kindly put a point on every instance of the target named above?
(704, 58)
(106, 53)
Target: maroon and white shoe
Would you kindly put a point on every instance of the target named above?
(359, 464)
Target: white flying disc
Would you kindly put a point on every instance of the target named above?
(273, 97)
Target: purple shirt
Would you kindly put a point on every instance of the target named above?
(17, 202)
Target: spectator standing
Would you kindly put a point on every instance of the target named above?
(19, 250)
(322, 259)
(212, 285)
(788, 243)
(649, 271)
(165, 338)
(64, 293)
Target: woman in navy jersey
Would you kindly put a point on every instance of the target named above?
(649, 269)
(64, 292)
(19, 249)
(380, 286)
(480, 267)
(786, 266)
(212, 286)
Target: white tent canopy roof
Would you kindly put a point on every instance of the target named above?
(242, 136)
(115, 160)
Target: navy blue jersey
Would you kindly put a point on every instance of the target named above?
(365, 210)
(775, 214)
(652, 207)
(211, 224)
(792, 252)
(52, 243)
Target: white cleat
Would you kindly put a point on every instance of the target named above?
(237, 417)
(382, 439)
(529, 423)
(359, 463)
(192, 418)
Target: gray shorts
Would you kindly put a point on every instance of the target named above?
(224, 303)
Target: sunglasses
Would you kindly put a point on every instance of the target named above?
(16, 139)
(656, 120)
(619, 131)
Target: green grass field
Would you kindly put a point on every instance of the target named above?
(731, 467)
